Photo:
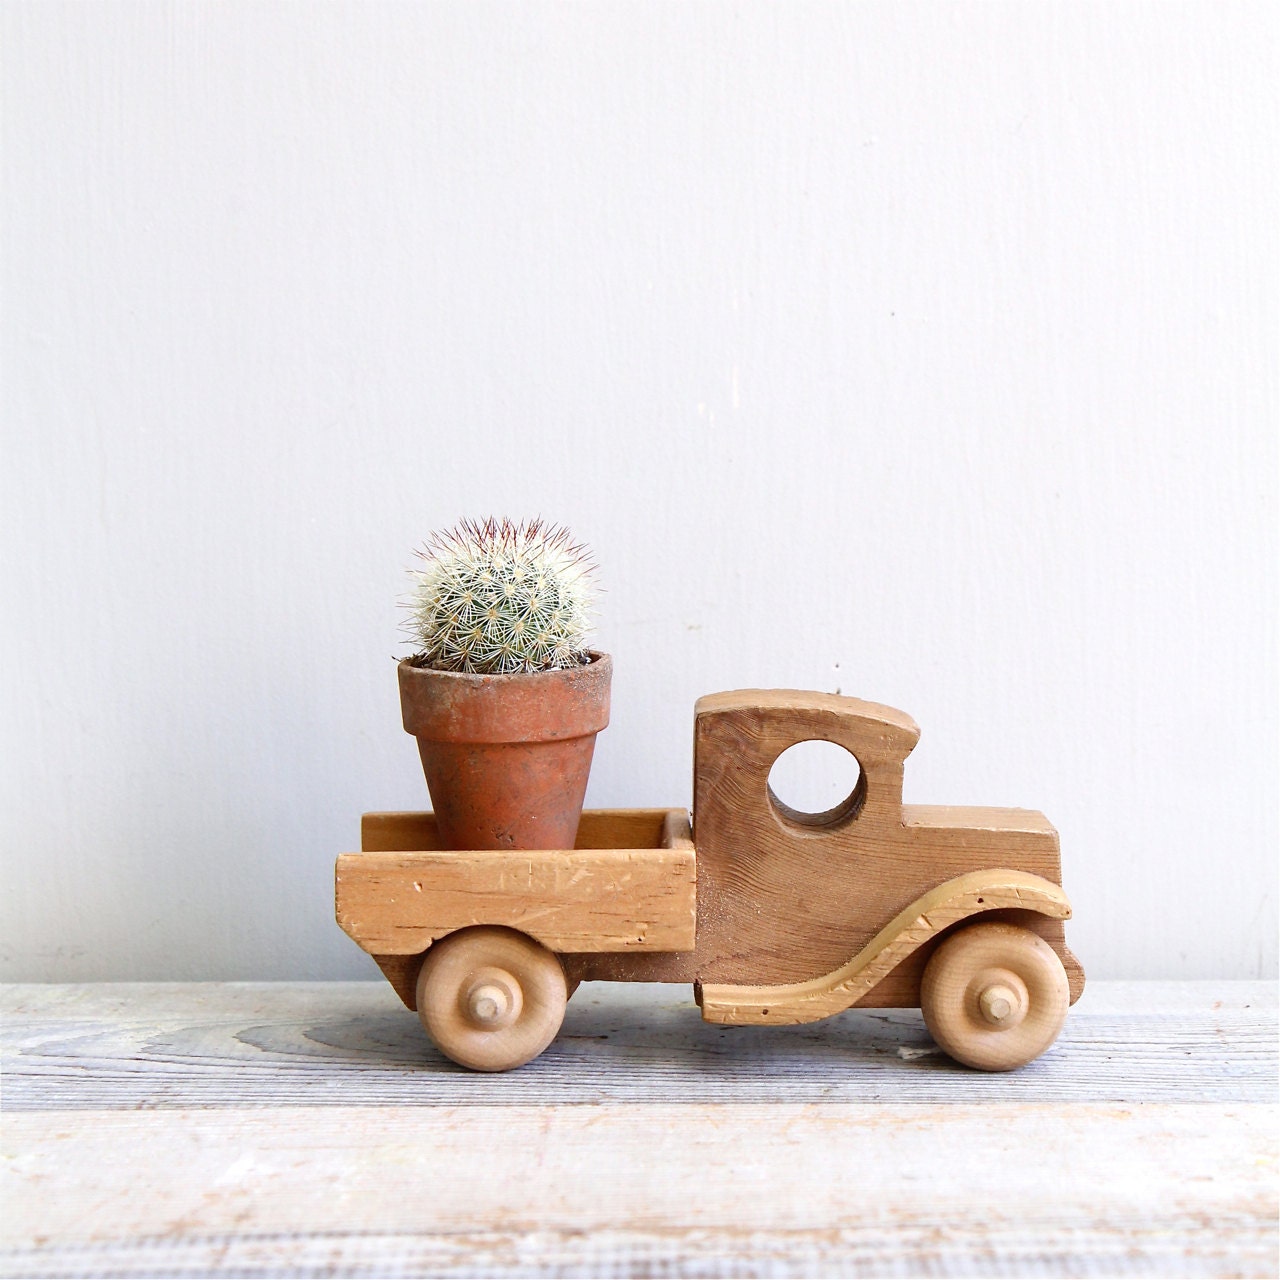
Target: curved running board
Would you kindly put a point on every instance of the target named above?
(834, 992)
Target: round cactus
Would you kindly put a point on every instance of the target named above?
(495, 598)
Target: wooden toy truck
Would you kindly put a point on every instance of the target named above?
(774, 916)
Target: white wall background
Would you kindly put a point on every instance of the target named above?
(926, 351)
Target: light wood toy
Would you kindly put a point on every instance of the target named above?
(774, 916)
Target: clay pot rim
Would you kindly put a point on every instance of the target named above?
(524, 706)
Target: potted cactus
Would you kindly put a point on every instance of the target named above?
(503, 694)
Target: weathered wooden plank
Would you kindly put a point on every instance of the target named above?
(868, 1250)
(266, 1044)
(684, 1189)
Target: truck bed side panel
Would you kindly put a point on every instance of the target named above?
(586, 900)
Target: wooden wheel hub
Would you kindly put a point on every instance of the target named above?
(994, 995)
(1002, 998)
(492, 999)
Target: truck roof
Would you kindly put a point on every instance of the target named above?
(894, 728)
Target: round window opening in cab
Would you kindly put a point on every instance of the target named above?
(817, 784)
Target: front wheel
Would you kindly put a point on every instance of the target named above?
(994, 996)
(491, 998)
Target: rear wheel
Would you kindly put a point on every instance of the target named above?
(994, 996)
(491, 998)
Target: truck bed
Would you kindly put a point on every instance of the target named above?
(628, 885)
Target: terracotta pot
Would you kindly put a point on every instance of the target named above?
(507, 757)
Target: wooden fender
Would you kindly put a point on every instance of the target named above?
(834, 992)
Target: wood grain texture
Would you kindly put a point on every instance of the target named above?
(679, 1189)
(782, 901)
(923, 920)
(786, 898)
(231, 1129)
(159, 1046)
(397, 902)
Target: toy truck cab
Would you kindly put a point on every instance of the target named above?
(802, 915)
(774, 916)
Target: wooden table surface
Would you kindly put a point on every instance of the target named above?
(270, 1129)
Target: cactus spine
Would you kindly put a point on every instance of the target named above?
(495, 598)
